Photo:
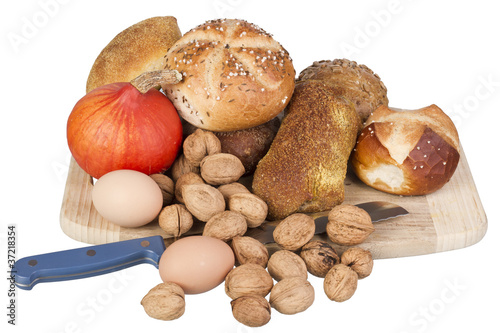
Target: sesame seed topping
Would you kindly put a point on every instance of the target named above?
(444, 163)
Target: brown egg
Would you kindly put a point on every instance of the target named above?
(196, 263)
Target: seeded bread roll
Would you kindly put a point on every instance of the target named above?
(235, 76)
(139, 48)
(357, 83)
(407, 152)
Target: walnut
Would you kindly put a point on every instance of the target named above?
(251, 206)
(286, 264)
(203, 200)
(294, 231)
(252, 311)
(248, 280)
(182, 166)
(175, 220)
(186, 179)
(225, 225)
(200, 144)
(359, 260)
(319, 257)
(348, 225)
(221, 168)
(164, 302)
(167, 187)
(340, 283)
(249, 250)
(228, 190)
(292, 295)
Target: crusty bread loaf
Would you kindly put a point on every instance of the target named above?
(139, 48)
(305, 168)
(407, 152)
(235, 76)
(358, 83)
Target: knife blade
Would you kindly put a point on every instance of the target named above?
(378, 211)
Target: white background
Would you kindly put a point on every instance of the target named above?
(427, 51)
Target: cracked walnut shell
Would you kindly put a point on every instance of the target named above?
(348, 225)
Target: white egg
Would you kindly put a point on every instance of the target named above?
(127, 198)
(196, 263)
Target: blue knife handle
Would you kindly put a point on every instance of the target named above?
(87, 261)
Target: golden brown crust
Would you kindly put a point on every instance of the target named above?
(139, 48)
(236, 76)
(305, 167)
(357, 83)
(412, 152)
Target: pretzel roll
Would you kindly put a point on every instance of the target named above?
(407, 152)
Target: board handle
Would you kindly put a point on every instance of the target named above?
(87, 261)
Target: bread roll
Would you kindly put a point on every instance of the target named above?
(407, 152)
(305, 168)
(139, 48)
(357, 83)
(236, 76)
(249, 145)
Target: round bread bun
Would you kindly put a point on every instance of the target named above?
(139, 48)
(407, 152)
(235, 76)
(357, 83)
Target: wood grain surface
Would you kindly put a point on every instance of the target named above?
(451, 218)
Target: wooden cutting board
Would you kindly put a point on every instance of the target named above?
(451, 218)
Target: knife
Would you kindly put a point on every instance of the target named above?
(106, 258)
(378, 211)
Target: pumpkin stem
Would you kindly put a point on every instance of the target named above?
(155, 79)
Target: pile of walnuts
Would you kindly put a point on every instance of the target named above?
(249, 283)
(205, 187)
